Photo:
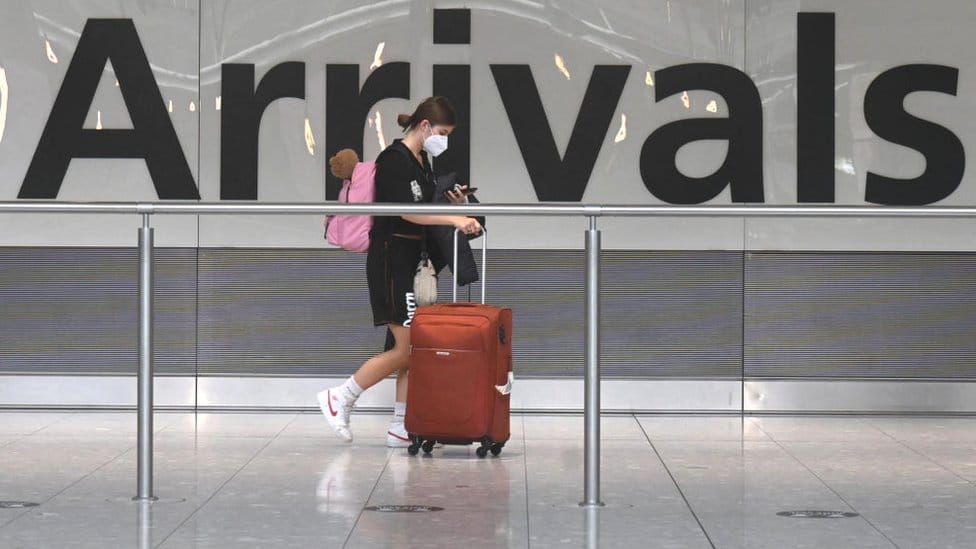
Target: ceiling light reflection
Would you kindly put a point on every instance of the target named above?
(712, 106)
(379, 131)
(378, 56)
(50, 52)
(561, 65)
(98, 121)
(309, 138)
(845, 165)
(4, 93)
(169, 106)
(685, 100)
(648, 79)
(193, 106)
(217, 103)
(622, 132)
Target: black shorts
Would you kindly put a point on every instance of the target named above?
(390, 268)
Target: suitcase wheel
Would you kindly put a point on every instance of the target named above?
(496, 448)
(486, 444)
(428, 445)
(415, 443)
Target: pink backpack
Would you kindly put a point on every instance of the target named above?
(351, 232)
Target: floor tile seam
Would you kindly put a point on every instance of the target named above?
(174, 419)
(72, 415)
(525, 475)
(759, 426)
(167, 432)
(217, 490)
(57, 421)
(13, 518)
(34, 432)
(925, 456)
(101, 433)
(752, 420)
(18, 438)
(165, 428)
(839, 496)
(362, 509)
(681, 492)
(69, 486)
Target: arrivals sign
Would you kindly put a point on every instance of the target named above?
(555, 172)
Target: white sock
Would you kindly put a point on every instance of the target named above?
(399, 411)
(351, 389)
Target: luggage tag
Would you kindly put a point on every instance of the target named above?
(507, 388)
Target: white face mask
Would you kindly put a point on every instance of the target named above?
(435, 144)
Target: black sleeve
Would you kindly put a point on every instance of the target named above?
(393, 176)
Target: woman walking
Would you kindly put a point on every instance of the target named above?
(403, 174)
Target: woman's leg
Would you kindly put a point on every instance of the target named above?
(396, 434)
(401, 384)
(337, 402)
(382, 365)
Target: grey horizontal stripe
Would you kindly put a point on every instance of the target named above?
(861, 315)
(314, 320)
(666, 314)
(74, 310)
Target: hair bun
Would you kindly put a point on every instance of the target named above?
(404, 120)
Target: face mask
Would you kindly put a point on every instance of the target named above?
(435, 144)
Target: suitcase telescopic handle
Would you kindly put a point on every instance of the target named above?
(484, 264)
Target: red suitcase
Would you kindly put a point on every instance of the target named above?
(460, 375)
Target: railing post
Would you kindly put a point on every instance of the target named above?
(591, 405)
(144, 445)
(144, 531)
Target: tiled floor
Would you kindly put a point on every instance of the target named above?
(282, 480)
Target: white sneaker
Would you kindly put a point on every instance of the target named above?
(336, 407)
(397, 436)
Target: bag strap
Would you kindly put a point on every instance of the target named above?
(424, 256)
(405, 153)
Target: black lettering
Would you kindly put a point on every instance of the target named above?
(454, 83)
(242, 107)
(742, 169)
(346, 107)
(815, 107)
(555, 178)
(452, 26)
(152, 136)
(884, 111)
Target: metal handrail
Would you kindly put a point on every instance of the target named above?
(567, 209)
(591, 408)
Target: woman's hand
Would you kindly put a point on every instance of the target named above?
(468, 225)
(456, 195)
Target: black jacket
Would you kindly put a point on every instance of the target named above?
(440, 245)
(440, 238)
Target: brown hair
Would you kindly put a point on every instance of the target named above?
(437, 110)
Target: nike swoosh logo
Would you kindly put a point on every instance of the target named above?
(331, 409)
(394, 435)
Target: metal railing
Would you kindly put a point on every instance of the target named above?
(591, 409)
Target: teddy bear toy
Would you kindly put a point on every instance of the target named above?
(343, 162)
